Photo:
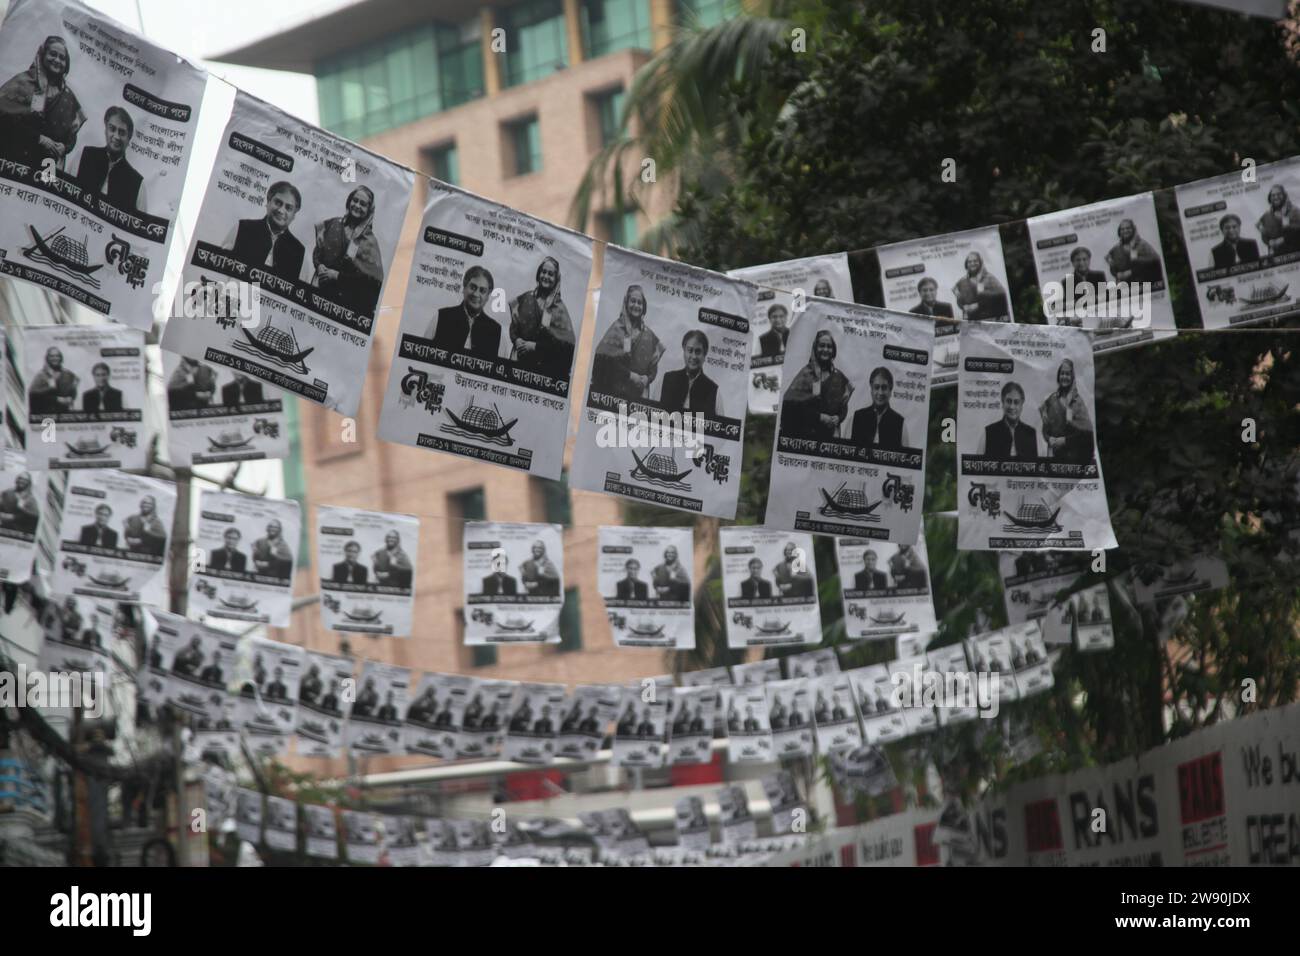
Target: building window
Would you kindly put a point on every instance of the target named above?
(525, 146)
(609, 113)
(618, 228)
(707, 13)
(536, 40)
(444, 163)
(392, 81)
(609, 25)
(462, 506)
(571, 622)
(557, 503)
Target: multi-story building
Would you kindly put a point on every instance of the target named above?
(510, 101)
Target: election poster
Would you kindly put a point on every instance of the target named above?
(479, 711)
(534, 723)
(784, 801)
(429, 722)
(692, 824)
(812, 663)
(249, 546)
(738, 824)
(644, 580)
(834, 714)
(323, 704)
(281, 823)
(189, 666)
(1176, 577)
(1031, 584)
(268, 697)
(756, 672)
(749, 732)
(789, 711)
(886, 588)
(216, 414)
(361, 836)
(77, 636)
(375, 722)
(695, 709)
(769, 581)
(640, 732)
(22, 499)
(322, 832)
(883, 719)
(960, 699)
(367, 570)
(589, 709)
(514, 582)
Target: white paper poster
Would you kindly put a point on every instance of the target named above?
(991, 653)
(322, 832)
(738, 823)
(367, 567)
(361, 836)
(85, 395)
(692, 824)
(749, 732)
(695, 711)
(1029, 475)
(1243, 243)
(1031, 581)
(375, 723)
(849, 456)
(281, 823)
(789, 711)
(322, 704)
(215, 414)
(784, 289)
(812, 663)
(534, 723)
(769, 581)
(883, 720)
(757, 672)
(430, 721)
(268, 703)
(645, 581)
(491, 321)
(248, 815)
(783, 799)
(671, 340)
(251, 298)
(95, 141)
(886, 588)
(640, 735)
(961, 275)
(1100, 268)
(963, 685)
(590, 708)
(514, 582)
(189, 666)
(22, 493)
(480, 709)
(834, 714)
(1201, 572)
(249, 545)
(78, 638)
(113, 541)
(908, 675)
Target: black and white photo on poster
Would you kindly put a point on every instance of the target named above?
(706, 677)
(783, 291)
(1029, 474)
(430, 721)
(662, 421)
(375, 722)
(268, 698)
(789, 711)
(784, 801)
(216, 414)
(749, 732)
(1243, 243)
(473, 842)
(322, 832)
(281, 823)
(78, 634)
(990, 654)
(910, 645)
(400, 844)
(367, 570)
(864, 769)
(113, 539)
(514, 582)
(835, 717)
(480, 710)
(644, 580)
(22, 493)
(738, 824)
(361, 836)
(909, 673)
(886, 588)
(849, 455)
(1100, 268)
(1032, 585)
(96, 132)
(1090, 614)
(252, 297)
(222, 737)
(491, 321)
(883, 717)
(190, 667)
(534, 723)
(588, 711)
(641, 727)
(693, 831)
(964, 704)
(1174, 576)
(812, 663)
(695, 711)
(756, 672)
(85, 397)
(769, 581)
(248, 544)
(1030, 662)
(248, 815)
(324, 697)
(961, 275)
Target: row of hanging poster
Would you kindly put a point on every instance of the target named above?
(495, 300)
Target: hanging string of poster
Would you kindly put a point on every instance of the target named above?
(368, 566)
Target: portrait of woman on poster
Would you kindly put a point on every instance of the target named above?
(1279, 227)
(39, 115)
(978, 293)
(1067, 428)
(817, 400)
(541, 332)
(627, 357)
(349, 268)
(1133, 259)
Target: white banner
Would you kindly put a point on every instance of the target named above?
(492, 317)
(784, 290)
(85, 397)
(1029, 475)
(534, 723)
(268, 704)
(514, 582)
(646, 585)
(22, 492)
(367, 566)
(113, 541)
(1100, 268)
(215, 414)
(671, 340)
(375, 723)
(189, 666)
(251, 298)
(95, 139)
(961, 275)
(1243, 243)
(849, 456)
(886, 588)
(322, 704)
(248, 544)
(769, 582)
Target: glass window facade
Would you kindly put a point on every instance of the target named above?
(393, 81)
(444, 164)
(609, 110)
(536, 40)
(571, 622)
(619, 228)
(525, 146)
(609, 25)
